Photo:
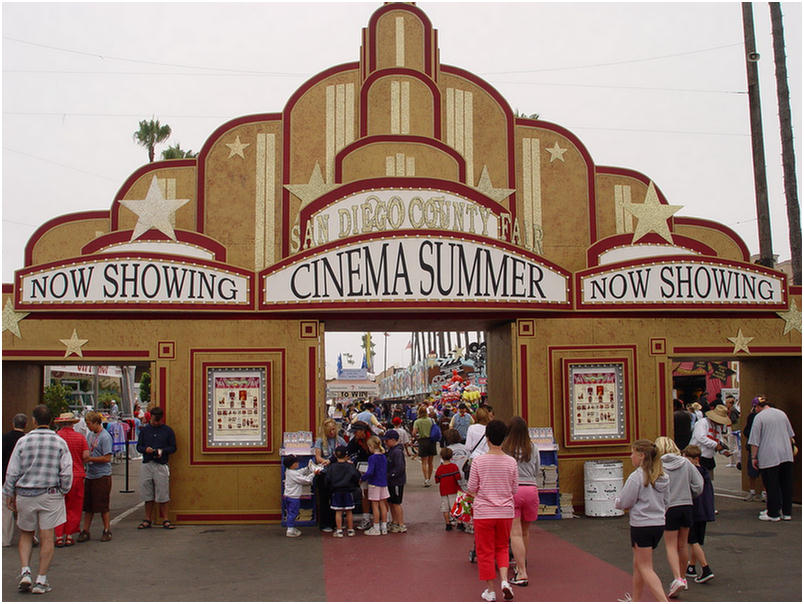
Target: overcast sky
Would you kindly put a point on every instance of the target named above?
(659, 88)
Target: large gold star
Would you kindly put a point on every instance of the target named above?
(740, 342)
(74, 345)
(12, 318)
(154, 212)
(792, 318)
(556, 152)
(236, 148)
(314, 189)
(652, 215)
(484, 186)
(457, 353)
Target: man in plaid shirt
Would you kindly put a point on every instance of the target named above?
(39, 474)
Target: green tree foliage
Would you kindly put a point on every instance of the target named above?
(149, 134)
(532, 116)
(145, 387)
(176, 152)
(57, 399)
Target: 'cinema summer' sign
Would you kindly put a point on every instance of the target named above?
(133, 281)
(420, 268)
(681, 282)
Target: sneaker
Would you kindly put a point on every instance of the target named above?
(427, 484)
(685, 584)
(391, 526)
(327, 529)
(373, 531)
(750, 497)
(364, 524)
(41, 588)
(25, 581)
(691, 571)
(763, 515)
(338, 533)
(786, 517)
(383, 529)
(706, 574)
(489, 596)
(398, 528)
(293, 532)
(448, 527)
(676, 586)
(350, 533)
(469, 529)
(508, 593)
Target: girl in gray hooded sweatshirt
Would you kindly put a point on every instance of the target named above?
(644, 494)
(685, 483)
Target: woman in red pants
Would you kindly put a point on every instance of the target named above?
(74, 500)
(493, 482)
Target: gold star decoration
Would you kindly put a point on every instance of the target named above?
(154, 212)
(457, 353)
(556, 152)
(484, 186)
(792, 318)
(236, 148)
(314, 189)
(652, 215)
(740, 342)
(74, 345)
(12, 318)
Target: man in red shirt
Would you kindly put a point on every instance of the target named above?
(74, 500)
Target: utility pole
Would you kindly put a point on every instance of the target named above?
(788, 150)
(757, 140)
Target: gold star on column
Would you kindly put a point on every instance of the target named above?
(457, 353)
(314, 189)
(484, 186)
(652, 216)
(236, 148)
(792, 318)
(74, 345)
(556, 152)
(154, 212)
(12, 318)
(740, 342)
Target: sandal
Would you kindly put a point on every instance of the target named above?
(83, 536)
(59, 541)
(68, 541)
(145, 524)
(517, 581)
(107, 536)
(166, 525)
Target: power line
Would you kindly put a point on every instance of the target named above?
(50, 161)
(155, 73)
(613, 63)
(695, 132)
(647, 88)
(125, 115)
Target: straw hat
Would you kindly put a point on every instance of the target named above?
(719, 415)
(66, 418)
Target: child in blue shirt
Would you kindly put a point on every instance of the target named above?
(703, 508)
(377, 478)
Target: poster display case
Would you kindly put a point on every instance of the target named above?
(237, 407)
(595, 402)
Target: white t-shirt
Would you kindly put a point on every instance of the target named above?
(772, 432)
(476, 433)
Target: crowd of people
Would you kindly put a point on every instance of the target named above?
(51, 477)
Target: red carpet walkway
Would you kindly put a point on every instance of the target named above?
(430, 564)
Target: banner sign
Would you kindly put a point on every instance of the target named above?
(133, 281)
(682, 282)
(421, 269)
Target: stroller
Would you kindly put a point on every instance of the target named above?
(462, 512)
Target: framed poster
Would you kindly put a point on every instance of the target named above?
(595, 402)
(237, 410)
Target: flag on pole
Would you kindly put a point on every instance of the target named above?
(364, 365)
(340, 365)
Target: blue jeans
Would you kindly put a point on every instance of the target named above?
(291, 511)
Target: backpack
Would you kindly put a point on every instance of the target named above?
(435, 432)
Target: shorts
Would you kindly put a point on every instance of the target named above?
(749, 467)
(697, 532)
(526, 502)
(678, 516)
(446, 502)
(376, 493)
(155, 482)
(42, 512)
(427, 447)
(395, 493)
(96, 494)
(342, 501)
(646, 536)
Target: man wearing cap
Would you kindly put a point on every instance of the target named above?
(357, 450)
(9, 441)
(461, 421)
(74, 500)
(708, 436)
(156, 443)
(772, 441)
(39, 474)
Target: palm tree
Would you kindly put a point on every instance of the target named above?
(150, 133)
(176, 152)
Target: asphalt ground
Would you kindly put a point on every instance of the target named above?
(578, 559)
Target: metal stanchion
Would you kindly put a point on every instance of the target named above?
(128, 443)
